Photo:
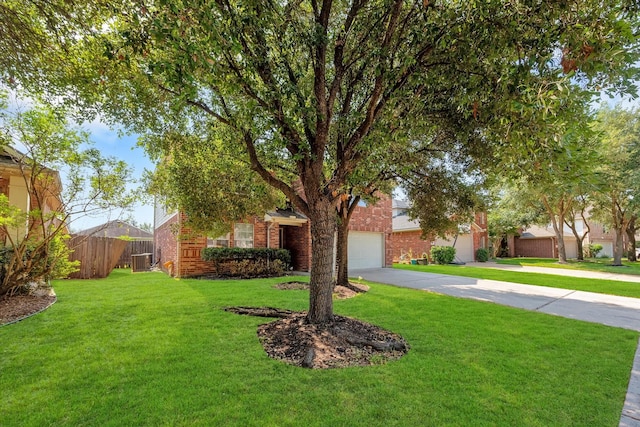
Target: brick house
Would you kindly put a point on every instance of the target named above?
(25, 193)
(541, 242)
(177, 249)
(407, 236)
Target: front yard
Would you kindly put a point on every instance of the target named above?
(146, 349)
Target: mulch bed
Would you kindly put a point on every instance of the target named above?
(18, 307)
(342, 343)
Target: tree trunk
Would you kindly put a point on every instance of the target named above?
(342, 253)
(562, 253)
(344, 213)
(323, 228)
(631, 240)
(618, 248)
(558, 224)
(580, 244)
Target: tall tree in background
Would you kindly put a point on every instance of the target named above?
(618, 198)
(42, 147)
(312, 88)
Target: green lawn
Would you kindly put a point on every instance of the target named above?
(610, 287)
(594, 264)
(146, 349)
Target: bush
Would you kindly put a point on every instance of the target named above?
(225, 254)
(250, 268)
(482, 255)
(594, 249)
(248, 262)
(443, 254)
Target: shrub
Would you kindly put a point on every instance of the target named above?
(594, 249)
(443, 254)
(248, 262)
(222, 254)
(482, 255)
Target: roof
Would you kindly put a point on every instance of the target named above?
(117, 229)
(286, 217)
(537, 232)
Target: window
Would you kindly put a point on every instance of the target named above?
(243, 235)
(218, 242)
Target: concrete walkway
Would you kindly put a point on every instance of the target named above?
(609, 310)
(559, 271)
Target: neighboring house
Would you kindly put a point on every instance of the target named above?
(178, 249)
(138, 240)
(14, 184)
(541, 242)
(118, 229)
(407, 236)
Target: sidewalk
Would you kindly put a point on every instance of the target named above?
(558, 271)
(622, 312)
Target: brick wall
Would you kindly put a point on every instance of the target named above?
(406, 241)
(298, 241)
(166, 246)
(185, 248)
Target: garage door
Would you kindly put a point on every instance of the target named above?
(464, 247)
(366, 250)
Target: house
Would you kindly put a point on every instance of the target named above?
(408, 241)
(178, 248)
(16, 185)
(541, 241)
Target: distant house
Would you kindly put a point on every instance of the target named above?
(541, 241)
(25, 193)
(118, 229)
(178, 249)
(408, 241)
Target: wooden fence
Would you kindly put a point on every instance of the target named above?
(134, 247)
(97, 255)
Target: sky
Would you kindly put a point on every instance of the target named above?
(111, 143)
(123, 147)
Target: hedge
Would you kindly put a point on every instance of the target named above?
(226, 254)
(248, 262)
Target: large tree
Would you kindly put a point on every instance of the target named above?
(310, 88)
(617, 201)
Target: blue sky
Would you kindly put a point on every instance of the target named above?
(123, 147)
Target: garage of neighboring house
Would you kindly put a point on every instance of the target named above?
(366, 250)
(463, 245)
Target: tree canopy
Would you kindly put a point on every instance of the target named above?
(311, 89)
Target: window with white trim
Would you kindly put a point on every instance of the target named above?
(218, 242)
(243, 235)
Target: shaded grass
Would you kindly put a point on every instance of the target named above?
(592, 264)
(146, 349)
(610, 287)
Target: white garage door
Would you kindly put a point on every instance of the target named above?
(464, 247)
(366, 250)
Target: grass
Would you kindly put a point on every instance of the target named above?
(593, 264)
(146, 349)
(610, 287)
